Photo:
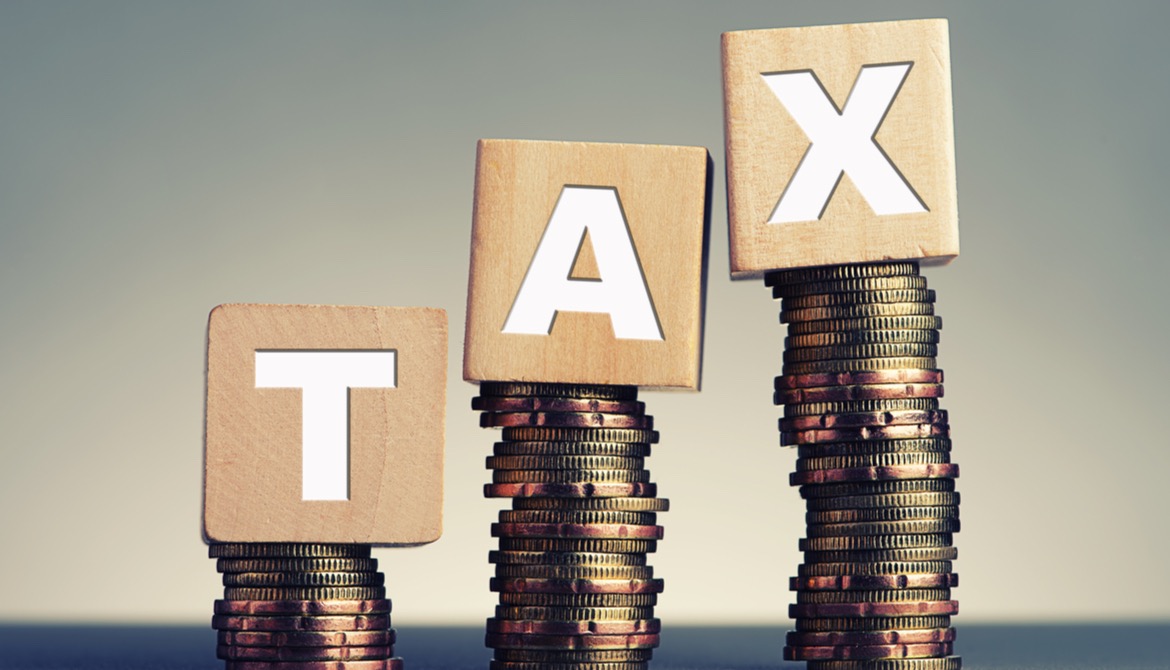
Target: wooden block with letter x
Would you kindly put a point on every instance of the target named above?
(325, 424)
(840, 145)
(587, 263)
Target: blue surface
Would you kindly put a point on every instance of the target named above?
(983, 647)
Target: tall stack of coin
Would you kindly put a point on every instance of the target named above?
(861, 393)
(293, 606)
(574, 586)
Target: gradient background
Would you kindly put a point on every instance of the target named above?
(157, 159)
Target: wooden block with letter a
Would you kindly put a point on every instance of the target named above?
(840, 145)
(587, 263)
(325, 424)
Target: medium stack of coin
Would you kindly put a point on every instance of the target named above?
(294, 606)
(574, 586)
(861, 393)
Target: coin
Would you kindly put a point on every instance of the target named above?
(925, 471)
(296, 564)
(871, 624)
(540, 389)
(855, 298)
(859, 365)
(872, 460)
(863, 638)
(568, 476)
(899, 609)
(572, 642)
(862, 311)
(835, 338)
(878, 651)
(377, 664)
(550, 585)
(577, 530)
(905, 554)
(567, 559)
(907, 527)
(873, 596)
(881, 514)
(571, 627)
(873, 447)
(864, 419)
(888, 500)
(944, 663)
(873, 568)
(574, 614)
(538, 404)
(857, 392)
(565, 420)
(871, 542)
(626, 449)
(855, 351)
(232, 652)
(586, 545)
(578, 516)
(537, 462)
(567, 665)
(851, 406)
(315, 623)
(353, 638)
(563, 434)
(304, 593)
(877, 487)
(858, 378)
(590, 656)
(622, 504)
(303, 579)
(834, 272)
(287, 550)
(579, 599)
(912, 322)
(851, 285)
(572, 490)
(874, 582)
(313, 608)
(603, 572)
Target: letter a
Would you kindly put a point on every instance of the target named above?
(621, 291)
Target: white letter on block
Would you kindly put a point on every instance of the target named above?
(325, 378)
(621, 292)
(842, 142)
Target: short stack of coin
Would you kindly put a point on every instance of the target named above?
(574, 586)
(290, 606)
(861, 393)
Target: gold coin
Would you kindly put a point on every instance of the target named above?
(296, 564)
(574, 572)
(881, 501)
(870, 447)
(584, 545)
(568, 476)
(874, 568)
(304, 593)
(874, 488)
(579, 599)
(845, 271)
(622, 504)
(549, 390)
(884, 528)
(867, 310)
(578, 517)
(303, 579)
(524, 613)
(894, 283)
(564, 463)
(570, 434)
(871, 542)
(852, 406)
(839, 338)
(872, 460)
(851, 351)
(566, 559)
(860, 365)
(862, 624)
(882, 596)
(854, 298)
(623, 449)
(287, 550)
(522, 648)
(941, 663)
(871, 323)
(881, 514)
(573, 665)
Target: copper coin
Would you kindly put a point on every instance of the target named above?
(576, 490)
(856, 298)
(857, 311)
(906, 527)
(856, 351)
(875, 596)
(287, 550)
(538, 462)
(867, 336)
(541, 627)
(866, 638)
(564, 434)
(852, 392)
(874, 582)
(863, 419)
(853, 406)
(579, 599)
(582, 615)
(882, 651)
(852, 285)
(304, 579)
(899, 609)
(872, 542)
(600, 572)
(567, 665)
(565, 420)
(539, 404)
(585, 545)
(908, 376)
(881, 514)
(910, 322)
(304, 593)
(860, 365)
(906, 432)
(316, 623)
(547, 585)
(903, 555)
(352, 638)
(878, 568)
(876, 487)
(578, 516)
(868, 447)
(580, 656)
(599, 504)
(565, 559)
(575, 530)
(834, 272)
(234, 653)
(554, 390)
(871, 624)
(568, 476)
(940, 663)
(296, 564)
(626, 449)
(376, 664)
(872, 460)
(893, 472)
(568, 642)
(302, 607)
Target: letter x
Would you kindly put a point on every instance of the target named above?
(842, 142)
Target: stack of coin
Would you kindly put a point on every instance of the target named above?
(574, 586)
(290, 606)
(861, 393)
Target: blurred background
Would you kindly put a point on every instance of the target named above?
(159, 158)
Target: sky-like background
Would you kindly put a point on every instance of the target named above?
(159, 158)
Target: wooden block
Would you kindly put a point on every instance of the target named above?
(840, 147)
(325, 424)
(587, 264)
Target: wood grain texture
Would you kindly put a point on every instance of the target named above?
(662, 191)
(252, 475)
(765, 145)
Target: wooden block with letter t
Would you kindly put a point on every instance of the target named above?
(325, 424)
(840, 145)
(587, 263)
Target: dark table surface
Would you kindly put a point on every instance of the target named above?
(983, 647)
